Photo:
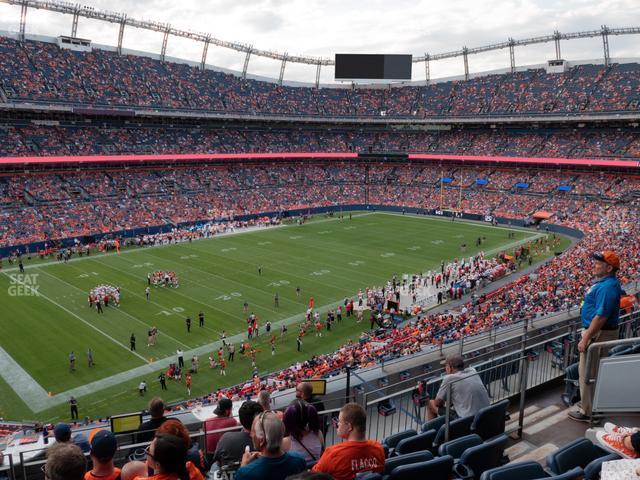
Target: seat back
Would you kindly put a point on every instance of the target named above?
(457, 428)
(407, 459)
(392, 440)
(593, 469)
(478, 459)
(573, 474)
(578, 453)
(433, 424)
(456, 447)
(529, 470)
(417, 443)
(437, 469)
(368, 476)
(490, 421)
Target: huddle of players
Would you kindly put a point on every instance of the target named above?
(102, 295)
(163, 279)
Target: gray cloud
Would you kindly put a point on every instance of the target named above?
(262, 21)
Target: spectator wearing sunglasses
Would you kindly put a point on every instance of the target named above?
(167, 458)
(269, 460)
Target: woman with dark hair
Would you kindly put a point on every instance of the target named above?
(196, 464)
(302, 425)
(167, 457)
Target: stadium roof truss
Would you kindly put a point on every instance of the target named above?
(77, 11)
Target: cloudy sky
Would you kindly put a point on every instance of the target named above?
(322, 28)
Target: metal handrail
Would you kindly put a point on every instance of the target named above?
(569, 323)
(598, 346)
(545, 373)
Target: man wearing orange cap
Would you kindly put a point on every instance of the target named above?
(600, 314)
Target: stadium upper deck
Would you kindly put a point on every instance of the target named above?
(33, 71)
(23, 138)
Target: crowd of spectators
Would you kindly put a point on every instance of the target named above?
(22, 139)
(42, 72)
(66, 204)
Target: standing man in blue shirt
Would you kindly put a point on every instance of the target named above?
(600, 315)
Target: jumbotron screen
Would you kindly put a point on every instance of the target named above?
(372, 67)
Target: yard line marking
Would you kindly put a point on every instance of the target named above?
(42, 402)
(247, 230)
(121, 311)
(89, 324)
(243, 286)
(200, 302)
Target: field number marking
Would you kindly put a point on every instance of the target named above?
(262, 244)
(230, 249)
(187, 257)
(437, 242)
(387, 255)
(228, 296)
(140, 265)
(324, 232)
(414, 248)
(350, 228)
(295, 237)
(319, 273)
(357, 263)
(87, 275)
(279, 283)
(166, 313)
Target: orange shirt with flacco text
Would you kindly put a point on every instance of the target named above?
(344, 460)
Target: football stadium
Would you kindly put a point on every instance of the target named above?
(366, 271)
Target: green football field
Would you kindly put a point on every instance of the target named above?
(45, 313)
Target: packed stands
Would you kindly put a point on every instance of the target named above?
(42, 72)
(89, 202)
(20, 139)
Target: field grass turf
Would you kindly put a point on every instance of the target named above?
(327, 259)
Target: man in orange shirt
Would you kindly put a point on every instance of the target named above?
(103, 448)
(187, 380)
(355, 454)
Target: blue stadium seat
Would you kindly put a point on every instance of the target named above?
(573, 474)
(529, 470)
(457, 428)
(390, 442)
(434, 424)
(416, 443)
(580, 453)
(476, 460)
(572, 386)
(407, 459)
(456, 447)
(490, 421)
(437, 469)
(368, 476)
